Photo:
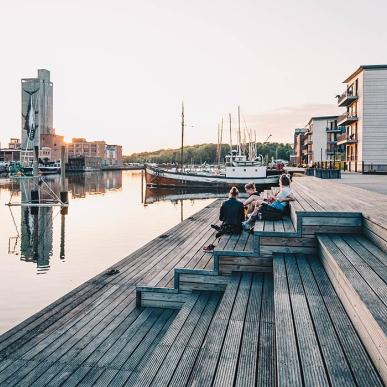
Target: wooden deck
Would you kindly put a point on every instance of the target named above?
(86, 334)
(299, 302)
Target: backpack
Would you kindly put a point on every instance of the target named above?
(270, 213)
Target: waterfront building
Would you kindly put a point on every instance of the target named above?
(54, 142)
(113, 155)
(36, 109)
(8, 155)
(14, 143)
(365, 118)
(83, 163)
(80, 147)
(320, 140)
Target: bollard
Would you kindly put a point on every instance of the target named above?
(64, 197)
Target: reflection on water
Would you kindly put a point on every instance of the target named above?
(110, 215)
(36, 223)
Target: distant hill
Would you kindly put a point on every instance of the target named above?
(201, 153)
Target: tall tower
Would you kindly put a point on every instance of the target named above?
(36, 109)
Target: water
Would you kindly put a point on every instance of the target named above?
(44, 256)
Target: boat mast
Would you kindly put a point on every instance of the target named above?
(229, 116)
(239, 130)
(217, 146)
(220, 139)
(182, 138)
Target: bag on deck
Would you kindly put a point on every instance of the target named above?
(270, 213)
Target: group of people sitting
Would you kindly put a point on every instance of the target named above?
(237, 215)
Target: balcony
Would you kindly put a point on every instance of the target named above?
(346, 98)
(334, 129)
(346, 139)
(347, 119)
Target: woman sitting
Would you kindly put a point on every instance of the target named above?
(232, 215)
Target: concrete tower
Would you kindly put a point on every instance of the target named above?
(37, 108)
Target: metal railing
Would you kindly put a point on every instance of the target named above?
(347, 94)
(347, 137)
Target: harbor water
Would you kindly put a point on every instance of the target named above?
(45, 254)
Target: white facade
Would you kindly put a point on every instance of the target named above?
(316, 139)
(365, 103)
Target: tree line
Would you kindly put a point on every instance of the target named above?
(206, 153)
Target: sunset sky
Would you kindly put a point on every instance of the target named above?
(121, 68)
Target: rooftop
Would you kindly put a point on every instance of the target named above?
(365, 67)
(322, 118)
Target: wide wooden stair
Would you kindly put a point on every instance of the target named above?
(357, 269)
(219, 339)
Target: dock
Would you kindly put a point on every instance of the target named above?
(297, 302)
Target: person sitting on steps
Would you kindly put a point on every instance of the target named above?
(249, 203)
(275, 205)
(231, 215)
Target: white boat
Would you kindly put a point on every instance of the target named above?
(238, 172)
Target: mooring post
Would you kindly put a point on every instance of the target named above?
(64, 195)
(36, 161)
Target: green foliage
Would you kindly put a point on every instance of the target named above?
(199, 154)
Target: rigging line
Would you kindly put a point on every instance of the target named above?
(55, 196)
(14, 222)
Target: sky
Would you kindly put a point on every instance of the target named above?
(122, 68)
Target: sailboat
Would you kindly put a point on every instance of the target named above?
(238, 171)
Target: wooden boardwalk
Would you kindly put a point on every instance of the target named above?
(299, 302)
(85, 335)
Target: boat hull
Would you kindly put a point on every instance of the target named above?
(160, 178)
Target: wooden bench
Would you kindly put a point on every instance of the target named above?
(316, 344)
(218, 340)
(358, 271)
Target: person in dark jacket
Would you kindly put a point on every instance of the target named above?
(232, 214)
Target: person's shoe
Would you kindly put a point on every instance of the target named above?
(216, 227)
(209, 248)
(246, 226)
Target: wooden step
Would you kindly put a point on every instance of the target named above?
(239, 346)
(283, 227)
(239, 253)
(219, 340)
(316, 344)
(358, 272)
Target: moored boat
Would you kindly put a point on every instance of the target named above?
(238, 172)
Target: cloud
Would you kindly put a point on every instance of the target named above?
(281, 122)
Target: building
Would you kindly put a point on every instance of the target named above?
(8, 155)
(113, 155)
(83, 163)
(320, 140)
(37, 108)
(54, 142)
(365, 118)
(298, 146)
(80, 147)
(14, 143)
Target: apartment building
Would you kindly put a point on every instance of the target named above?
(320, 140)
(365, 118)
(297, 157)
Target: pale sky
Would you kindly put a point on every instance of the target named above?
(121, 68)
